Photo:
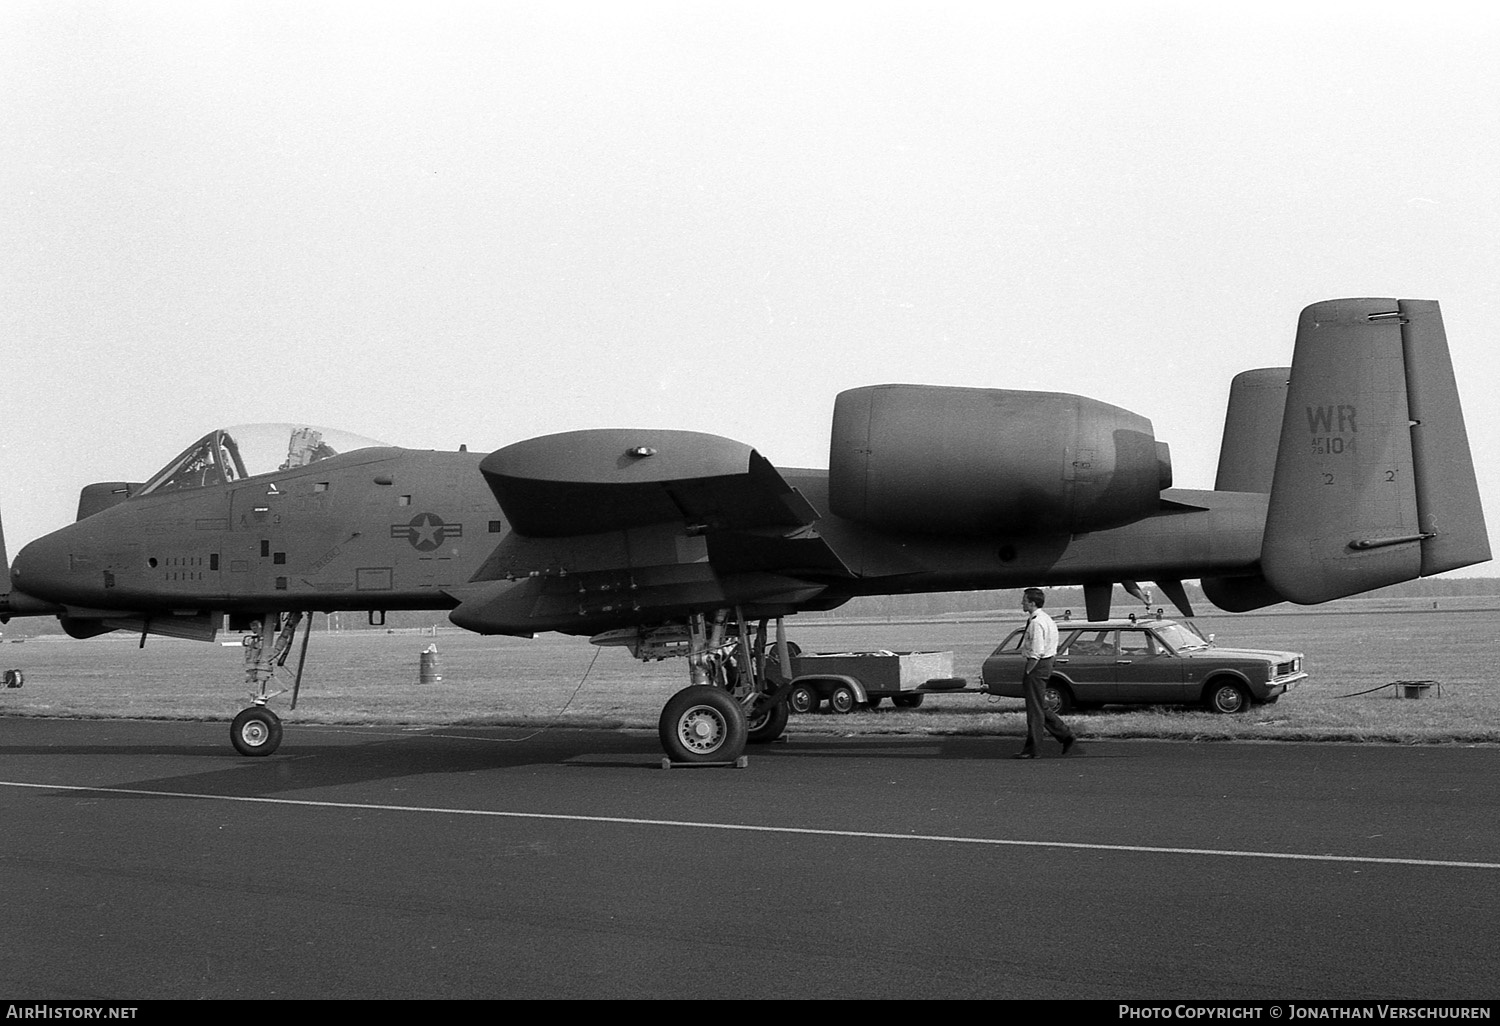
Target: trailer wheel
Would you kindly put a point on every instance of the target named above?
(907, 701)
(874, 702)
(842, 699)
(803, 699)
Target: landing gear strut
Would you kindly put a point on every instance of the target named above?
(731, 701)
(257, 730)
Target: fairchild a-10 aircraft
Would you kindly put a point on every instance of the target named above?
(1348, 471)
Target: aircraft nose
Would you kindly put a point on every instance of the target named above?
(42, 567)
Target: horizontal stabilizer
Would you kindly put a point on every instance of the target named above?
(1370, 489)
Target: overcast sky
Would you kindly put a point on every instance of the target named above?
(442, 223)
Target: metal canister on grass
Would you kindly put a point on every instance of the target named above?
(431, 671)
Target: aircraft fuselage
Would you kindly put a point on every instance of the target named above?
(383, 529)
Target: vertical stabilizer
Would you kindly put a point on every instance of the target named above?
(1252, 430)
(1363, 495)
(1247, 463)
(1448, 511)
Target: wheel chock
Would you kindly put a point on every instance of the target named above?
(743, 762)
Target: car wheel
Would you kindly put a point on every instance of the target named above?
(842, 699)
(1056, 698)
(1227, 697)
(803, 699)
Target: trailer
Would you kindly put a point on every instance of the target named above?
(849, 680)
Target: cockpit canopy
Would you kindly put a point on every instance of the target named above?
(231, 454)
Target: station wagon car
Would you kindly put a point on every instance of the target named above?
(1149, 661)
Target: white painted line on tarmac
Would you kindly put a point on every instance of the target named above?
(751, 828)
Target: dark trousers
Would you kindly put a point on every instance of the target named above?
(1038, 716)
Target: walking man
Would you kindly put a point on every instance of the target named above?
(1038, 648)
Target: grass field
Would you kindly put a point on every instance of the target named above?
(371, 677)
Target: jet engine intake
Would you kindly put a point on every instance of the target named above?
(989, 461)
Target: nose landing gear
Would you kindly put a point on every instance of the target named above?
(257, 730)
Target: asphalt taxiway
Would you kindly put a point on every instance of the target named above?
(146, 859)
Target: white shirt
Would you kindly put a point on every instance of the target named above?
(1040, 639)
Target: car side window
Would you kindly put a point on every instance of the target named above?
(1136, 643)
(1087, 643)
(1013, 643)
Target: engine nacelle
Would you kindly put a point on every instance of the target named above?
(990, 461)
(96, 498)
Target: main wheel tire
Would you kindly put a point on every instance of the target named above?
(907, 701)
(701, 723)
(1057, 698)
(766, 726)
(803, 699)
(255, 731)
(1227, 697)
(842, 699)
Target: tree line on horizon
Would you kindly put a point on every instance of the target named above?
(941, 603)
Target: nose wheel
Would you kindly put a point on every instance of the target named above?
(255, 731)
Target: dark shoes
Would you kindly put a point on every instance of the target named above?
(1030, 753)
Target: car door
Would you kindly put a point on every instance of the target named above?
(1001, 671)
(1086, 657)
(1145, 670)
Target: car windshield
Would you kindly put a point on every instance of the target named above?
(230, 454)
(1179, 637)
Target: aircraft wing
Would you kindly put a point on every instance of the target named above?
(611, 526)
(587, 482)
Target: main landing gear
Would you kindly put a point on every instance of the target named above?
(257, 730)
(731, 701)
